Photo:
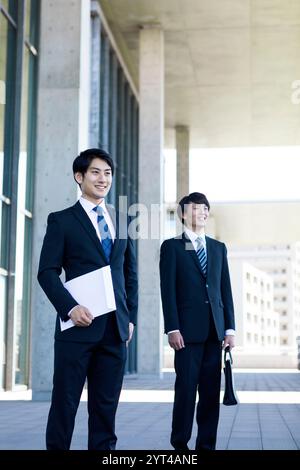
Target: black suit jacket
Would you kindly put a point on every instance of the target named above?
(71, 243)
(188, 298)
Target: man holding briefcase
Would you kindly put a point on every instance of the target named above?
(199, 316)
(82, 239)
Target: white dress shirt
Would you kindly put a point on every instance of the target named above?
(193, 237)
(88, 206)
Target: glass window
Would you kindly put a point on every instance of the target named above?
(9, 7)
(27, 19)
(117, 125)
(25, 196)
(3, 62)
(16, 343)
(21, 221)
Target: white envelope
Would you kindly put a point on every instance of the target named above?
(94, 291)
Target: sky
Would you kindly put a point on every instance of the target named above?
(239, 174)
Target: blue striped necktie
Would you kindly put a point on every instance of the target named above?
(201, 255)
(105, 234)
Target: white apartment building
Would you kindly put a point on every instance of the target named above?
(282, 263)
(257, 324)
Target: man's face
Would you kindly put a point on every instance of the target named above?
(195, 216)
(96, 182)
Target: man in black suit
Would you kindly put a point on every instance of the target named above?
(199, 317)
(81, 239)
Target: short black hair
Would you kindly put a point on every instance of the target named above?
(83, 160)
(196, 198)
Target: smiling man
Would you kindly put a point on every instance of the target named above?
(199, 317)
(81, 239)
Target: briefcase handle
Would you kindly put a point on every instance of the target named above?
(227, 351)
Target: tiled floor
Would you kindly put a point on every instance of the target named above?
(146, 425)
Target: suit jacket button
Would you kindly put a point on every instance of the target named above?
(207, 302)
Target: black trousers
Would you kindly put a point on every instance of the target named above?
(198, 368)
(102, 363)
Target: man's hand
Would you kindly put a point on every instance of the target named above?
(131, 328)
(176, 340)
(229, 340)
(81, 316)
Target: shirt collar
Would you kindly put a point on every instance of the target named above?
(193, 236)
(89, 206)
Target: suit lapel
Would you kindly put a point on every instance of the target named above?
(85, 221)
(209, 249)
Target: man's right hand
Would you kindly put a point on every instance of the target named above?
(176, 340)
(81, 316)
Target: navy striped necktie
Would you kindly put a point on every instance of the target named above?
(201, 255)
(105, 234)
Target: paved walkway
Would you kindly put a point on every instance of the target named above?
(267, 418)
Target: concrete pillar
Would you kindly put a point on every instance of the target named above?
(151, 131)
(63, 100)
(182, 151)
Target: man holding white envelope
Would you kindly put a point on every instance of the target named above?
(96, 307)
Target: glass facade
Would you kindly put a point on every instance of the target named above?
(114, 123)
(18, 70)
(113, 126)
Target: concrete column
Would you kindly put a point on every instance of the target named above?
(182, 151)
(151, 131)
(63, 99)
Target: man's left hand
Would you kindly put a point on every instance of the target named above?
(229, 340)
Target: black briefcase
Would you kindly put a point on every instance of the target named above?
(230, 397)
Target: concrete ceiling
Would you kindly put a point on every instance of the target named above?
(229, 66)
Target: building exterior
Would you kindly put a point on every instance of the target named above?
(281, 264)
(77, 93)
(19, 51)
(257, 323)
(133, 77)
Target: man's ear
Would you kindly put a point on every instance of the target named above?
(78, 177)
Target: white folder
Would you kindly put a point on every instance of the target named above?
(94, 291)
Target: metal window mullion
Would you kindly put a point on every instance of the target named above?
(31, 48)
(125, 140)
(95, 67)
(132, 153)
(105, 85)
(31, 132)
(9, 376)
(136, 148)
(31, 152)
(5, 199)
(8, 17)
(128, 143)
(24, 343)
(113, 118)
(120, 135)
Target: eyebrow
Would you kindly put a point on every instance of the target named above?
(99, 169)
